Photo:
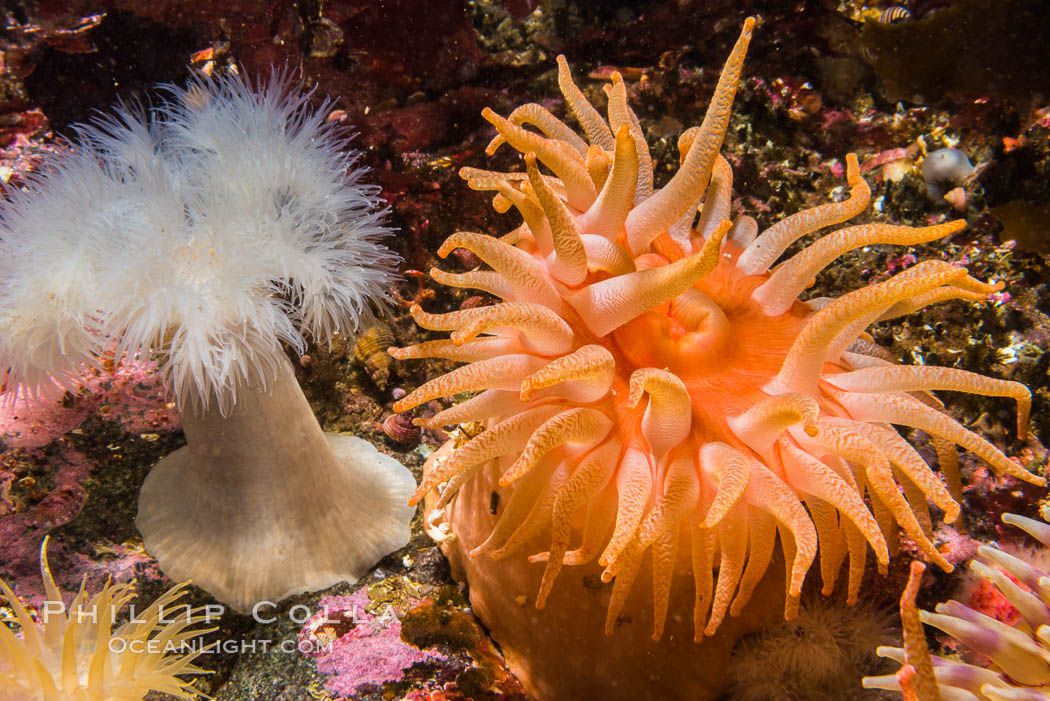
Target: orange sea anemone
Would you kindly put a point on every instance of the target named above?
(649, 384)
(75, 654)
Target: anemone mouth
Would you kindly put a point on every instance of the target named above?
(691, 333)
(713, 337)
(652, 391)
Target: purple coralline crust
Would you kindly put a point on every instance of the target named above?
(133, 395)
(21, 533)
(138, 400)
(70, 568)
(372, 653)
(26, 582)
(59, 507)
(36, 425)
(20, 153)
(17, 539)
(123, 565)
(956, 545)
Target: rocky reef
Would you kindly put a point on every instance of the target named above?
(817, 86)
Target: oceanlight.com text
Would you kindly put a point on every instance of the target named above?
(264, 612)
(198, 646)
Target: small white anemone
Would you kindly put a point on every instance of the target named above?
(209, 229)
(205, 232)
(73, 653)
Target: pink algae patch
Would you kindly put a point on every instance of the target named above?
(355, 647)
(133, 394)
(987, 599)
(34, 426)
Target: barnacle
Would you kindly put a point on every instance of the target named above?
(651, 386)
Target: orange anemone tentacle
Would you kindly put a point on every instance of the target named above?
(789, 279)
(657, 213)
(565, 161)
(541, 118)
(621, 115)
(772, 242)
(589, 370)
(594, 126)
(576, 427)
(608, 213)
(668, 416)
(923, 378)
(524, 278)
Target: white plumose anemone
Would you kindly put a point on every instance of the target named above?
(206, 232)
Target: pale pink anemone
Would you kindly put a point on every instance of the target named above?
(997, 660)
(650, 388)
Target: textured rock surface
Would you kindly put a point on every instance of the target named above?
(808, 97)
